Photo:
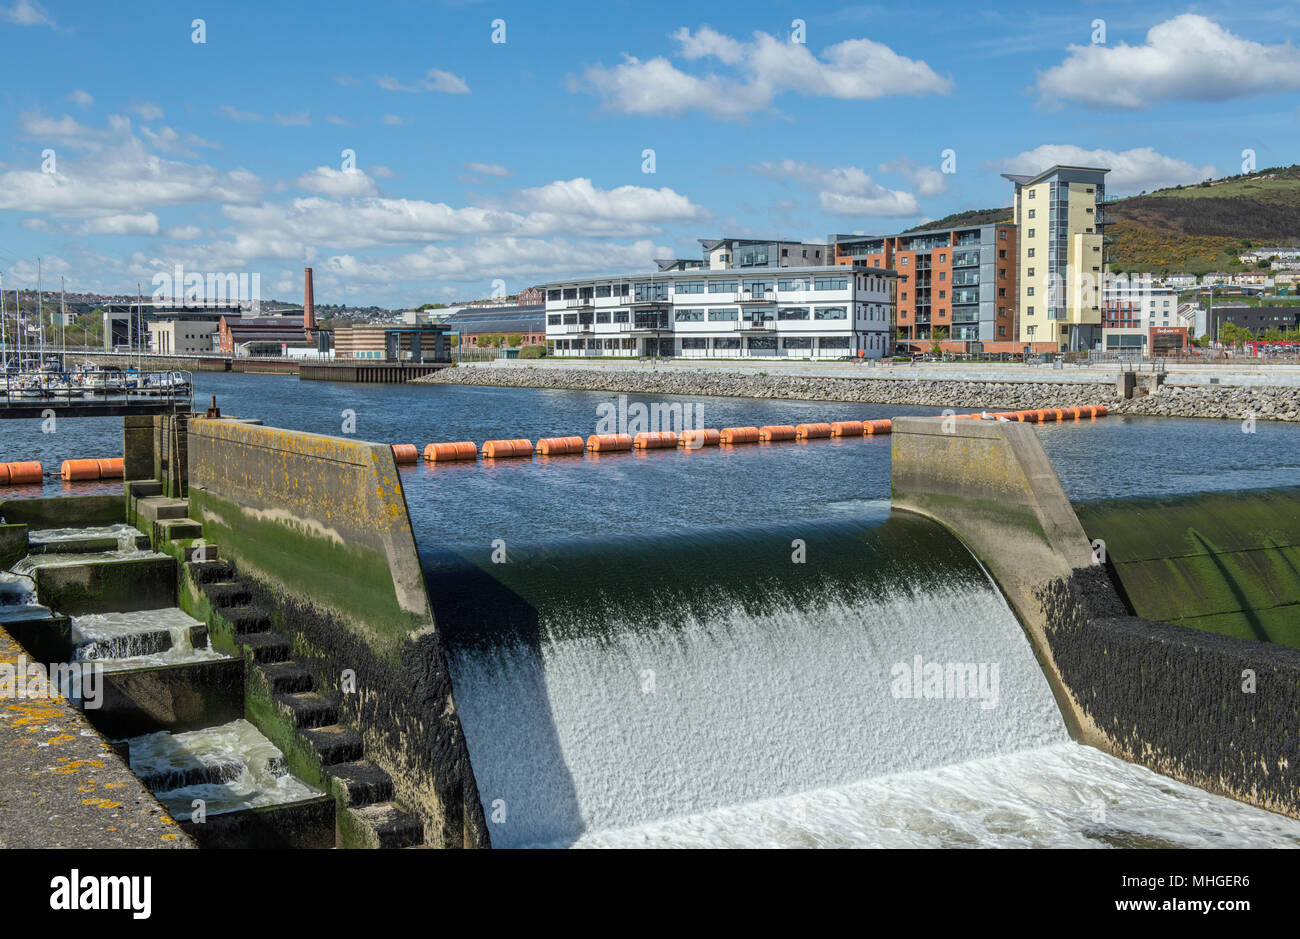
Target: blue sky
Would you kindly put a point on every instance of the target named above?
(129, 148)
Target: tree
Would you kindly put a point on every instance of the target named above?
(514, 339)
(939, 334)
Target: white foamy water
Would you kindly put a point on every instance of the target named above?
(126, 534)
(645, 721)
(60, 559)
(1064, 795)
(139, 639)
(239, 768)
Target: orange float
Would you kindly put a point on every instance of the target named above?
(737, 435)
(1099, 410)
(695, 439)
(848, 428)
(654, 440)
(503, 449)
(26, 472)
(560, 446)
(448, 452)
(774, 432)
(609, 443)
(112, 468)
(405, 453)
(812, 431)
(79, 470)
(876, 428)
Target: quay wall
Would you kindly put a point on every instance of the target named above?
(1037, 388)
(320, 524)
(1213, 710)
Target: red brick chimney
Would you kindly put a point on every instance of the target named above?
(308, 302)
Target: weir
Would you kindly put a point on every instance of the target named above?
(898, 682)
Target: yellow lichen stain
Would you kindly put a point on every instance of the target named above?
(102, 803)
(167, 820)
(114, 785)
(171, 837)
(60, 740)
(74, 765)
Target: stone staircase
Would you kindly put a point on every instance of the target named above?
(367, 814)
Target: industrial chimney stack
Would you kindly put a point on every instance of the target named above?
(308, 302)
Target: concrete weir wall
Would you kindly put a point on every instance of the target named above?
(1215, 711)
(321, 523)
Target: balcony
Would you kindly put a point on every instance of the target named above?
(646, 300)
(587, 304)
(572, 328)
(755, 296)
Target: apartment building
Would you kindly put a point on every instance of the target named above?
(955, 283)
(1139, 317)
(1062, 247)
(750, 311)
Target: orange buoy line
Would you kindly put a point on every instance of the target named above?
(560, 446)
(614, 443)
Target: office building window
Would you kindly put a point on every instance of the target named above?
(722, 316)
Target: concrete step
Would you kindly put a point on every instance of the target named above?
(287, 677)
(180, 529)
(389, 826)
(159, 508)
(334, 744)
(142, 488)
(224, 594)
(307, 709)
(267, 647)
(211, 572)
(361, 783)
(247, 619)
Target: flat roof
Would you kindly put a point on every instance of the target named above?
(1052, 171)
(735, 272)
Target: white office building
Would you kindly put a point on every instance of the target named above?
(814, 312)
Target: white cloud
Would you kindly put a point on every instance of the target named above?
(232, 113)
(926, 180)
(296, 119)
(184, 233)
(148, 111)
(484, 259)
(1130, 170)
(488, 169)
(844, 190)
(335, 119)
(393, 120)
(1188, 58)
(762, 69)
(338, 184)
(28, 13)
(576, 205)
(174, 142)
(125, 224)
(382, 172)
(434, 80)
(82, 99)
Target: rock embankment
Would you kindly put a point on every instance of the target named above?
(1225, 402)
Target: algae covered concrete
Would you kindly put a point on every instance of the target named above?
(64, 511)
(320, 527)
(61, 784)
(992, 485)
(108, 586)
(1226, 562)
(13, 543)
